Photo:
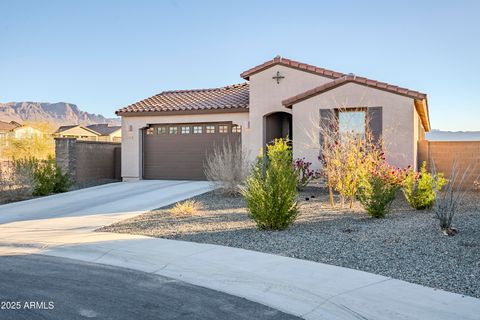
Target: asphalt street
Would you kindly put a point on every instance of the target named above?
(42, 287)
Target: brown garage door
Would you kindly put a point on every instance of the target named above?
(178, 151)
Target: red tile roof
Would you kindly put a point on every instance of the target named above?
(420, 98)
(292, 64)
(230, 97)
(8, 126)
(358, 80)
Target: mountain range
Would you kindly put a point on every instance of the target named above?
(439, 135)
(60, 113)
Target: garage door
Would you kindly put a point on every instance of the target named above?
(178, 151)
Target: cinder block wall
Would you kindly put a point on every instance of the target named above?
(87, 161)
(444, 153)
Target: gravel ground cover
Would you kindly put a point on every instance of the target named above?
(405, 245)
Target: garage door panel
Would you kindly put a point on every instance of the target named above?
(181, 156)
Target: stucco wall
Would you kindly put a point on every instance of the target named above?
(266, 96)
(399, 121)
(132, 135)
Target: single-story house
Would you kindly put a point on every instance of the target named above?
(167, 136)
(16, 130)
(94, 132)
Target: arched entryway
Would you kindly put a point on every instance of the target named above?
(277, 125)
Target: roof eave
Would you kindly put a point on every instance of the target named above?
(180, 112)
(420, 100)
(291, 64)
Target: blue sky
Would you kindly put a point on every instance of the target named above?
(102, 55)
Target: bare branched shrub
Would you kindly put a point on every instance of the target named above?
(16, 181)
(449, 199)
(347, 157)
(227, 166)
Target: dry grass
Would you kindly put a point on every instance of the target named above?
(188, 207)
(227, 166)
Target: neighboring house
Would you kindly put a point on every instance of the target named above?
(15, 130)
(168, 135)
(94, 132)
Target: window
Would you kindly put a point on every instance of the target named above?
(352, 122)
(173, 130)
(185, 130)
(223, 129)
(149, 131)
(236, 129)
(197, 129)
(210, 129)
(161, 130)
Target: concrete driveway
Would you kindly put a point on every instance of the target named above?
(114, 199)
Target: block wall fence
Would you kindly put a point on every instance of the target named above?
(88, 161)
(443, 153)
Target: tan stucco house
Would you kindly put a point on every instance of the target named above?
(94, 132)
(16, 130)
(167, 136)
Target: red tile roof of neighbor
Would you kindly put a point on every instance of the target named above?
(8, 126)
(236, 97)
(230, 97)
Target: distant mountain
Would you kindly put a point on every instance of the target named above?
(60, 113)
(438, 135)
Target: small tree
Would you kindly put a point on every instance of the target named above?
(227, 166)
(271, 189)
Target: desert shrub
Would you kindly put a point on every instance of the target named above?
(49, 178)
(227, 166)
(16, 181)
(378, 188)
(449, 199)
(304, 174)
(420, 188)
(186, 207)
(345, 158)
(271, 189)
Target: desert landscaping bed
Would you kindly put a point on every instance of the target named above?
(405, 245)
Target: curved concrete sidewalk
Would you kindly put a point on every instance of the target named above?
(308, 289)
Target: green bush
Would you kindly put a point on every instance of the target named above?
(376, 196)
(47, 177)
(420, 188)
(271, 189)
(379, 186)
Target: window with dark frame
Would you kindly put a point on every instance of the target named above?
(210, 129)
(197, 129)
(150, 131)
(173, 130)
(352, 121)
(223, 128)
(185, 130)
(161, 130)
(236, 129)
